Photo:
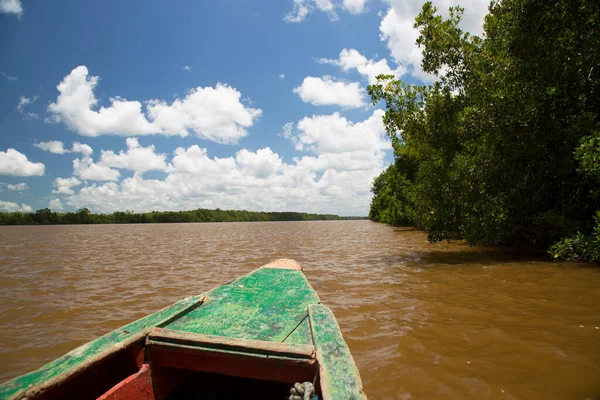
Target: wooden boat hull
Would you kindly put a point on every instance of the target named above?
(263, 331)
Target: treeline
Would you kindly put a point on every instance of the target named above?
(504, 148)
(84, 216)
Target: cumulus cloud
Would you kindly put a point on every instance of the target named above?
(24, 101)
(340, 145)
(9, 206)
(195, 161)
(82, 148)
(11, 7)
(335, 134)
(282, 76)
(353, 59)
(58, 147)
(136, 158)
(333, 173)
(261, 164)
(397, 30)
(301, 8)
(15, 163)
(53, 146)
(328, 91)
(56, 205)
(64, 185)
(85, 168)
(212, 113)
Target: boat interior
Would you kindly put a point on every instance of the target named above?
(169, 364)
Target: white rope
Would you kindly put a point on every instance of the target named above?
(302, 391)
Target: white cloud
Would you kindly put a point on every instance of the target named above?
(351, 58)
(327, 91)
(355, 6)
(282, 76)
(64, 185)
(81, 148)
(287, 131)
(187, 68)
(215, 114)
(397, 30)
(76, 100)
(9, 206)
(53, 146)
(86, 169)
(299, 12)
(58, 147)
(136, 158)
(301, 8)
(15, 163)
(334, 134)
(17, 187)
(24, 101)
(56, 205)
(261, 164)
(195, 160)
(11, 7)
(334, 176)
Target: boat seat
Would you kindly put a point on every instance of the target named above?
(255, 359)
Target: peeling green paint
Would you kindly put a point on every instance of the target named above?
(267, 304)
(335, 361)
(302, 334)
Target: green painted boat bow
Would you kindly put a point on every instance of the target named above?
(268, 324)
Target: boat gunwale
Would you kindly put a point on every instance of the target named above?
(28, 391)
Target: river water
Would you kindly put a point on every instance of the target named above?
(422, 321)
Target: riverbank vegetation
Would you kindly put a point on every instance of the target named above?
(504, 147)
(84, 216)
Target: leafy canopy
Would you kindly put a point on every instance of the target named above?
(503, 148)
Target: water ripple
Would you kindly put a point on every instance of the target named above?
(422, 321)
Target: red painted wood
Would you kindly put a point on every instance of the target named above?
(136, 386)
(139, 353)
(166, 380)
(232, 364)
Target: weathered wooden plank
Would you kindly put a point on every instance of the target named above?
(232, 344)
(90, 353)
(232, 363)
(284, 263)
(267, 304)
(137, 386)
(339, 376)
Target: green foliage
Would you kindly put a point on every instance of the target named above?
(84, 216)
(504, 147)
(588, 154)
(579, 247)
(390, 204)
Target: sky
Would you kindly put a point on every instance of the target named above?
(176, 105)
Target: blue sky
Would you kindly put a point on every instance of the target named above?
(155, 105)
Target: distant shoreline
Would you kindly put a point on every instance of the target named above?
(85, 216)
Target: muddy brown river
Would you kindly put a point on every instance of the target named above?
(423, 321)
